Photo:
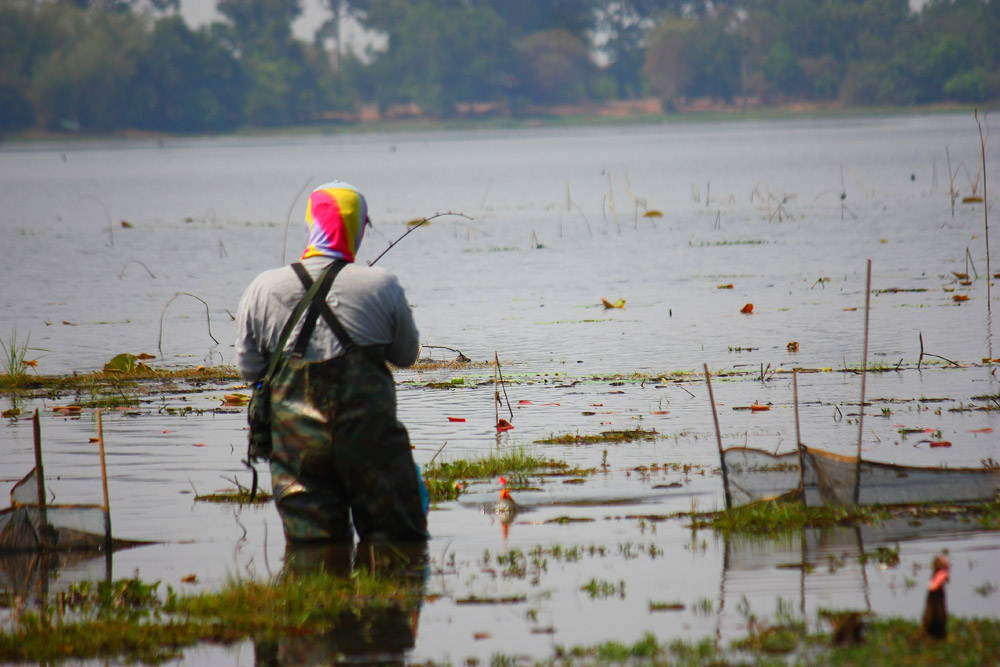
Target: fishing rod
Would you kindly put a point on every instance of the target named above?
(413, 226)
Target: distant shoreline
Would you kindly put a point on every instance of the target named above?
(618, 113)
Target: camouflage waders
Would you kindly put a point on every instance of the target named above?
(339, 452)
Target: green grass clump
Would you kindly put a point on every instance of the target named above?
(128, 619)
(514, 462)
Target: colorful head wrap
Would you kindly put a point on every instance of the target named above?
(336, 214)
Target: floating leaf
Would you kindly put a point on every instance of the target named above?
(652, 214)
(793, 346)
(145, 357)
(190, 579)
(620, 303)
(972, 199)
(747, 309)
(940, 443)
(727, 286)
(30, 362)
(456, 419)
(67, 409)
(959, 297)
(123, 363)
(93, 440)
(418, 221)
(126, 224)
(960, 276)
(756, 407)
(10, 414)
(981, 430)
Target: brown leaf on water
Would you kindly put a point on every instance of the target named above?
(959, 297)
(727, 286)
(652, 214)
(10, 414)
(620, 303)
(235, 399)
(31, 362)
(960, 276)
(126, 224)
(757, 407)
(145, 357)
(793, 346)
(418, 221)
(190, 579)
(747, 309)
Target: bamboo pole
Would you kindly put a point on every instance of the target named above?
(864, 374)
(718, 439)
(104, 483)
(43, 518)
(798, 434)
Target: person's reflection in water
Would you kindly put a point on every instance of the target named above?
(376, 635)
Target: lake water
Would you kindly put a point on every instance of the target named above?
(786, 212)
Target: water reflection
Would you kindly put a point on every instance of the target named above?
(375, 634)
(33, 576)
(828, 568)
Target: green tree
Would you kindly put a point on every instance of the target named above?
(80, 85)
(669, 64)
(555, 67)
(438, 57)
(185, 81)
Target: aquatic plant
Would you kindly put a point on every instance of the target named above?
(614, 436)
(15, 361)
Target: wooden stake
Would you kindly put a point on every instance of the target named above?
(718, 439)
(43, 518)
(864, 373)
(798, 434)
(104, 484)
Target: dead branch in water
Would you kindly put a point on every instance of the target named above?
(208, 318)
(928, 354)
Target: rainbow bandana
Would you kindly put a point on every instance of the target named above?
(336, 215)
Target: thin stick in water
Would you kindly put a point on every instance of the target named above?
(718, 439)
(864, 374)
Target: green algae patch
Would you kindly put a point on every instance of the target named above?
(790, 515)
(612, 436)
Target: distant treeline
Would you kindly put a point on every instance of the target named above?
(102, 65)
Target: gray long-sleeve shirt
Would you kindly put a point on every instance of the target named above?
(368, 301)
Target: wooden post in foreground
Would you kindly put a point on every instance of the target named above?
(104, 483)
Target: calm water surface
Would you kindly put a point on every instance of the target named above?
(785, 212)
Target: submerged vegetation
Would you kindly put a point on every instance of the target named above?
(130, 619)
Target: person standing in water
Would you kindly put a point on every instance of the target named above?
(341, 460)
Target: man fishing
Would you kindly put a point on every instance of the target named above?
(340, 461)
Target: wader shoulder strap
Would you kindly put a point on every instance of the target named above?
(293, 319)
(319, 306)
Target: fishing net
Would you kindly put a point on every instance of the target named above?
(755, 475)
(28, 525)
(831, 479)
